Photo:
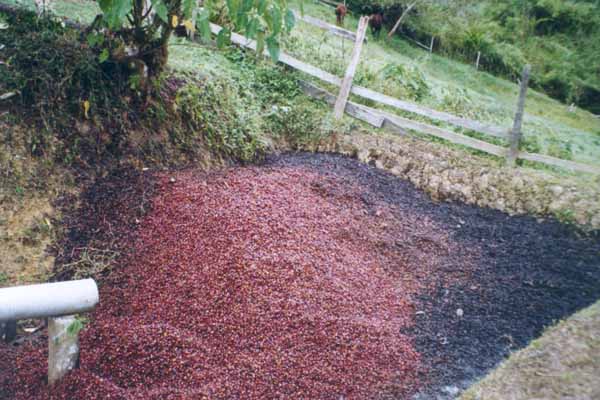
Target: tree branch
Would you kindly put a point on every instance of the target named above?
(404, 14)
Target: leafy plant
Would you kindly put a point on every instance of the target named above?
(411, 81)
(560, 149)
(77, 326)
(3, 278)
(215, 110)
(530, 144)
(135, 33)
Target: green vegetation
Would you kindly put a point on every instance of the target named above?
(3, 278)
(248, 98)
(135, 34)
(394, 67)
(223, 101)
(561, 39)
(66, 74)
(550, 127)
(73, 110)
(399, 69)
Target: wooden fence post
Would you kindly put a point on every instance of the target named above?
(516, 134)
(340, 103)
(431, 44)
(477, 62)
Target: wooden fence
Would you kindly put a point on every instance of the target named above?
(332, 29)
(401, 125)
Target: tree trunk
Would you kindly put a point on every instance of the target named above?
(404, 14)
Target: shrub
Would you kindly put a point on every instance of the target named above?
(557, 16)
(214, 112)
(560, 38)
(59, 81)
(408, 82)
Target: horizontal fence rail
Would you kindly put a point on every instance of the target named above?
(399, 124)
(333, 29)
(373, 95)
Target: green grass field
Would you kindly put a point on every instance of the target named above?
(402, 70)
(549, 126)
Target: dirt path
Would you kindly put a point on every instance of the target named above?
(312, 276)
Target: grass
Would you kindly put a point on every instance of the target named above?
(549, 126)
(562, 364)
(482, 96)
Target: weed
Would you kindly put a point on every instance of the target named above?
(457, 101)
(566, 216)
(92, 263)
(213, 111)
(299, 124)
(77, 325)
(560, 149)
(530, 144)
(67, 75)
(409, 81)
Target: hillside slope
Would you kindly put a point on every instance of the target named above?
(561, 39)
(399, 69)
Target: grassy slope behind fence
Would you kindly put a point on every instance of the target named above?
(397, 123)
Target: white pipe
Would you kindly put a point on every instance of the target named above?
(48, 299)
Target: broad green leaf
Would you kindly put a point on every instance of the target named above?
(234, 11)
(262, 6)
(275, 20)
(242, 20)
(290, 20)
(203, 24)
(252, 28)
(260, 43)
(76, 326)
(188, 8)
(94, 39)
(273, 48)
(103, 56)
(232, 6)
(247, 6)
(223, 37)
(118, 11)
(161, 10)
(105, 5)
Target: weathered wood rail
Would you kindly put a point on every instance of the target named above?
(340, 104)
(329, 3)
(400, 125)
(394, 122)
(369, 94)
(332, 29)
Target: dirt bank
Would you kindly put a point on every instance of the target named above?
(450, 174)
